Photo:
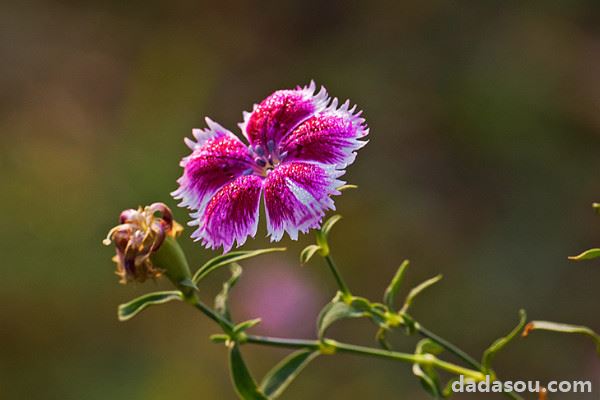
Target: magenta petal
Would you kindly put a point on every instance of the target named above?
(297, 195)
(330, 137)
(217, 158)
(281, 112)
(231, 215)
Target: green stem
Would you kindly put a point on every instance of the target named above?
(448, 346)
(338, 278)
(457, 352)
(423, 332)
(328, 346)
(210, 313)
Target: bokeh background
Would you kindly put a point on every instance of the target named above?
(483, 163)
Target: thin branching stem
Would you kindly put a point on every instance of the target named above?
(329, 346)
(338, 277)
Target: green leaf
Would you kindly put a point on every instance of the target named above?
(490, 352)
(219, 338)
(586, 255)
(308, 253)
(596, 207)
(335, 311)
(346, 187)
(135, 306)
(428, 382)
(327, 225)
(226, 259)
(427, 374)
(244, 384)
(428, 346)
(391, 291)
(243, 326)
(417, 290)
(562, 328)
(280, 377)
(222, 299)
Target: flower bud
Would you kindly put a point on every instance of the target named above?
(143, 235)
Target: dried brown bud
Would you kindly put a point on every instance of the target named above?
(140, 233)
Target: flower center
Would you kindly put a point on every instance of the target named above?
(266, 158)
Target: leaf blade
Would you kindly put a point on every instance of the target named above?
(222, 298)
(499, 344)
(229, 258)
(128, 310)
(335, 311)
(244, 384)
(327, 225)
(308, 252)
(562, 328)
(390, 292)
(414, 292)
(586, 255)
(282, 375)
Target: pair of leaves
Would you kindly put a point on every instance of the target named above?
(427, 375)
(342, 307)
(275, 381)
(562, 328)
(322, 246)
(389, 296)
(227, 259)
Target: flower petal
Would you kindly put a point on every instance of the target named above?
(281, 112)
(217, 158)
(329, 137)
(231, 214)
(297, 195)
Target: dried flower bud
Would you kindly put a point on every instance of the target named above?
(139, 235)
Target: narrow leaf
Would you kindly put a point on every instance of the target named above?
(428, 346)
(308, 253)
(226, 259)
(428, 382)
(335, 311)
(131, 309)
(562, 328)
(346, 187)
(282, 375)
(490, 352)
(244, 384)
(586, 255)
(427, 374)
(222, 299)
(390, 292)
(417, 290)
(327, 225)
(242, 326)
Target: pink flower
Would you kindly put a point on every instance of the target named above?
(300, 142)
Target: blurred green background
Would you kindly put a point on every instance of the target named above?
(483, 163)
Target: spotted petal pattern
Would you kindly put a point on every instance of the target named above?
(217, 158)
(231, 214)
(297, 195)
(279, 113)
(300, 142)
(331, 137)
